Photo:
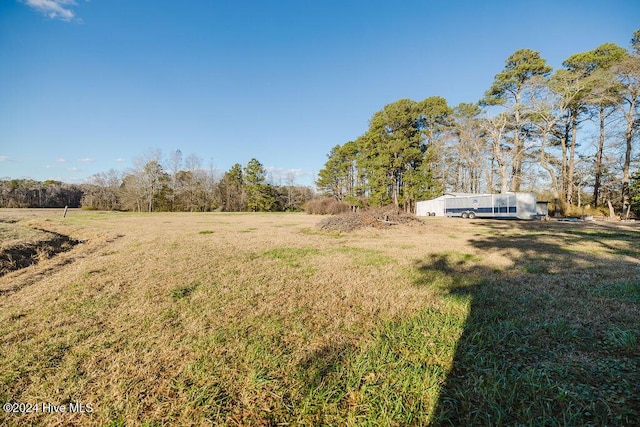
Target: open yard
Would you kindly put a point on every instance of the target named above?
(262, 319)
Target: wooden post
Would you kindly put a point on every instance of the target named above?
(65, 212)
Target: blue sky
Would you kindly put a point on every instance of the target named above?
(86, 86)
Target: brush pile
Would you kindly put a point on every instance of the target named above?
(383, 217)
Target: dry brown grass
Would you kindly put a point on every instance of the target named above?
(106, 326)
(188, 319)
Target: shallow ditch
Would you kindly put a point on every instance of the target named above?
(26, 254)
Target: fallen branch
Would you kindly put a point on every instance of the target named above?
(388, 222)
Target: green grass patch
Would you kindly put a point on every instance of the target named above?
(248, 230)
(294, 257)
(624, 291)
(206, 232)
(603, 234)
(366, 257)
(445, 271)
(622, 337)
(523, 359)
(394, 379)
(635, 253)
(535, 269)
(184, 291)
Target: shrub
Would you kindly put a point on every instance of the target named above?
(326, 206)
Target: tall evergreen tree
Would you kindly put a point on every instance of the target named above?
(338, 178)
(627, 73)
(231, 190)
(507, 89)
(393, 161)
(392, 146)
(260, 196)
(600, 90)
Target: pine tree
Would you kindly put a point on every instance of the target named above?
(260, 195)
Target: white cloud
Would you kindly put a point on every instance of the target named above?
(4, 159)
(284, 172)
(86, 160)
(284, 176)
(61, 160)
(120, 160)
(54, 9)
(74, 169)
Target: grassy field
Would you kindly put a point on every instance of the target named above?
(261, 319)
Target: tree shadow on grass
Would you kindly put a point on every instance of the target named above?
(552, 340)
(326, 361)
(320, 374)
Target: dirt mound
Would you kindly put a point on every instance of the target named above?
(25, 254)
(372, 217)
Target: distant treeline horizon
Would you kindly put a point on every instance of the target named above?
(150, 187)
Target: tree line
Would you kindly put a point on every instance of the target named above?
(174, 185)
(569, 135)
(183, 185)
(27, 193)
